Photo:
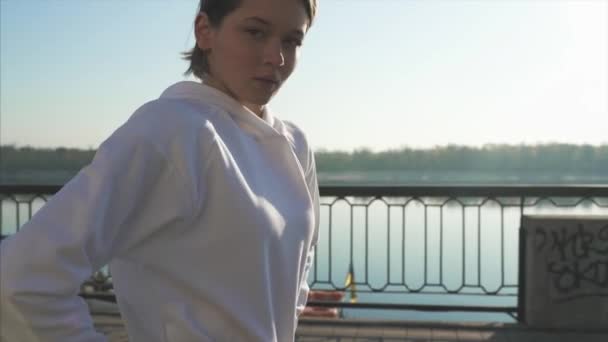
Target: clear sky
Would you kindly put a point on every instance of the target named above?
(373, 73)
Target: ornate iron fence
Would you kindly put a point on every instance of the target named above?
(431, 248)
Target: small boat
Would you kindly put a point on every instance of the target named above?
(322, 296)
(331, 296)
(320, 312)
(323, 311)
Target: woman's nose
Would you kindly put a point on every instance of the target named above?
(275, 55)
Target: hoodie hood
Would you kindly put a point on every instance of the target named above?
(264, 127)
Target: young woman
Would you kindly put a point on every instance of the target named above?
(204, 204)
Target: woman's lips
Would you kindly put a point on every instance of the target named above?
(268, 82)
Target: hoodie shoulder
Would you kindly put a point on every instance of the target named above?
(170, 125)
(170, 119)
(167, 115)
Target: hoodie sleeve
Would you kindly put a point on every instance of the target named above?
(313, 187)
(128, 192)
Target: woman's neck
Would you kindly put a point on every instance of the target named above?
(256, 109)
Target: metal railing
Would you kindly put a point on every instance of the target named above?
(431, 248)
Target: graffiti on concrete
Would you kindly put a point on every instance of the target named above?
(576, 259)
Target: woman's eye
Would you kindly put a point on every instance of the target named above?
(293, 42)
(255, 33)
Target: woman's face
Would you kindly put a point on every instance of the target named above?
(254, 49)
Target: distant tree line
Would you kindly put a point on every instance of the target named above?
(519, 158)
(15, 159)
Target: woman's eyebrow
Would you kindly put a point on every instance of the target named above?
(259, 20)
(298, 32)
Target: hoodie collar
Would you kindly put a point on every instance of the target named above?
(266, 126)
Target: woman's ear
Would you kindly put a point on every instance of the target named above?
(203, 31)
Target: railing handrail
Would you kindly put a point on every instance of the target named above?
(449, 190)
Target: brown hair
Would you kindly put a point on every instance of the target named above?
(216, 10)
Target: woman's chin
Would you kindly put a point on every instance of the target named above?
(260, 98)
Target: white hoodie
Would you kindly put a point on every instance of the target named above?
(207, 214)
